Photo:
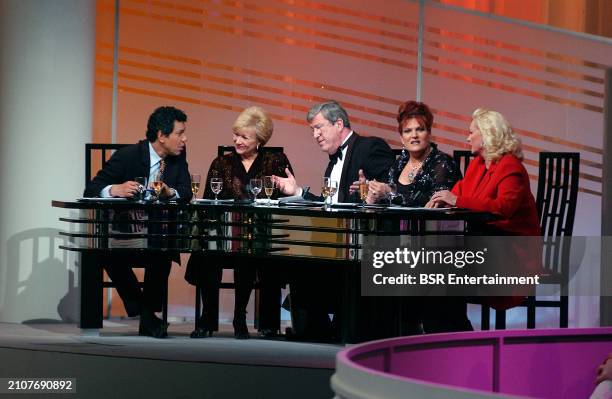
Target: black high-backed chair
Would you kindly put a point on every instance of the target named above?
(556, 204)
(556, 199)
(462, 159)
(104, 152)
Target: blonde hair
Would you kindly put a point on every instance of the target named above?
(498, 138)
(257, 118)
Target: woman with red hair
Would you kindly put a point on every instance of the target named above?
(422, 169)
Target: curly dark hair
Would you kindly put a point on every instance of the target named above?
(417, 110)
(163, 119)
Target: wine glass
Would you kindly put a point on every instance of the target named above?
(392, 192)
(333, 189)
(157, 185)
(255, 187)
(329, 189)
(216, 185)
(363, 191)
(195, 186)
(142, 184)
(268, 183)
(325, 190)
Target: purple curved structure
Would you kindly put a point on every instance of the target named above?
(556, 363)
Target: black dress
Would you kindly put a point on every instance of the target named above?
(207, 270)
(438, 172)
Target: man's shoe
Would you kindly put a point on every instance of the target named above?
(151, 326)
(201, 333)
(267, 333)
(202, 329)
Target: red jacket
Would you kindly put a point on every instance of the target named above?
(502, 189)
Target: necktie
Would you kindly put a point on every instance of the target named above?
(162, 167)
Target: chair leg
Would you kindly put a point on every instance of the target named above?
(485, 317)
(165, 302)
(198, 306)
(563, 311)
(500, 319)
(531, 312)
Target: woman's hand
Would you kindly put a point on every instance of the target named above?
(441, 199)
(377, 191)
(287, 185)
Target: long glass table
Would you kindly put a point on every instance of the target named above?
(280, 236)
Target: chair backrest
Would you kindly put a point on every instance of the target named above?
(462, 159)
(557, 192)
(104, 150)
(226, 149)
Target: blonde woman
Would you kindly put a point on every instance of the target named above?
(496, 180)
(250, 133)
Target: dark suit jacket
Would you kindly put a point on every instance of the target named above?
(134, 160)
(372, 154)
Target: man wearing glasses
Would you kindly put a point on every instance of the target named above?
(348, 153)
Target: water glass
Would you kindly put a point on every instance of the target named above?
(255, 187)
(216, 185)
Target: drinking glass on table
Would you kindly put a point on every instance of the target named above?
(216, 185)
(157, 185)
(329, 189)
(255, 187)
(195, 186)
(268, 183)
(142, 188)
(392, 192)
(363, 191)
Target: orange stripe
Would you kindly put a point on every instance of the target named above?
(289, 14)
(515, 61)
(587, 191)
(558, 140)
(513, 47)
(512, 75)
(270, 37)
(512, 89)
(352, 12)
(585, 176)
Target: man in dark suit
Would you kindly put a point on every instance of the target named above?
(350, 156)
(349, 153)
(162, 152)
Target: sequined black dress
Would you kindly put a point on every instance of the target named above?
(438, 172)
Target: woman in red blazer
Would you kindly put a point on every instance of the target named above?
(496, 180)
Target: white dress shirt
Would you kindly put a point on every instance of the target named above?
(336, 172)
